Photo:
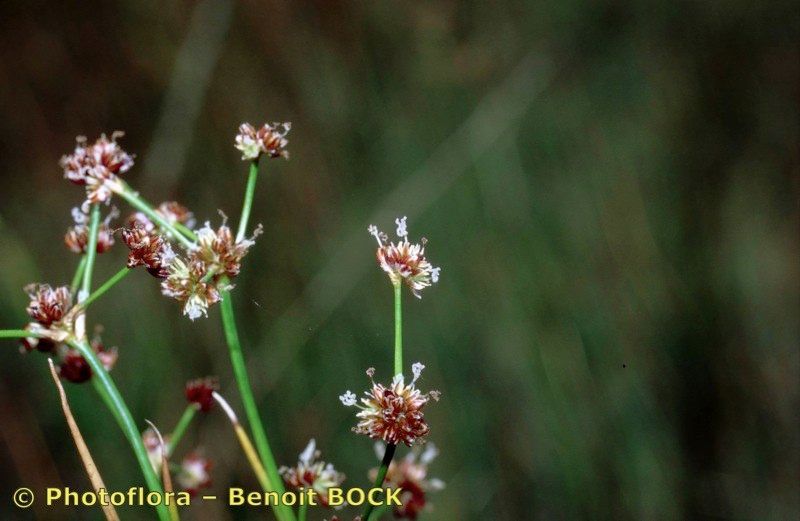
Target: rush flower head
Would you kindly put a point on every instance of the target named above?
(148, 249)
(219, 251)
(201, 392)
(97, 166)
(404, 261)
(193, 285)
(270, 139)
(77, 237)
(310, 473)
(155, 450)
(107, 355)
(195, 474)
(411, 475)
(48, 305)
(174, 212)
(74, 368)
(392, 413)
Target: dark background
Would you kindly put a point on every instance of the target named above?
(611, 189)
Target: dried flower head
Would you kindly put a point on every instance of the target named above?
(148, 249)
(77, 237)
(195, 474)
(48, 305)
(219, 251)
(392, 413)
(404, 261)
(411, 475)
(188, 283)
(155, 450)
(96, 166)
(270, 139)
(74, 368)
(310, 473)
(200, 392)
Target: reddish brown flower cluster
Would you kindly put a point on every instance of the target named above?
(310, 473)
(77, 237)
(392, 413)
(97, 166)
(172, 212)
(404, 261)
(411, 475)
(270, 139)
(148, 249)
(195, 474)
(193, 285)
(201, 392)
(48, 305)
(219, 250)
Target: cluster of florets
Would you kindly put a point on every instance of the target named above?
(311, 473)
(404, 261)
(77, 236)
(148, 249)
(269, 140)
(171, 211)
(201, 392)
(52, 322)
(392, 413)
(194, 474)
(410, 474)
(97, 166)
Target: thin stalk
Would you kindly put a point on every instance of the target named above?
(180, 429)
(302, 511)
(76, 279)
(20, 333)
(107, 285)
(247, 205)
(245, 390)
(182, 234)
(122, 414)
(91, 250)
(398, 329)
(384, 468)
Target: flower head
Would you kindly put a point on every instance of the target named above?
(411, 475)
(48, 305)
(312, 473)
(77, 236)
(155, 450)
(193, 285)
(97, 166)
(201, 391)
(194, 474)
(148, 249)
(219, 251)
(270, 139)
(393, 413)
(404, 261)
(74, 368)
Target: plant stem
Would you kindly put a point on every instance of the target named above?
(248, 200)
(182, 234)
(398, 329)
(180, 429)
(384, 468)
(19, 333)
(76, 279)
(91, 250)
(250, 408)
(107, 285)
(122, 414)
(302, 511)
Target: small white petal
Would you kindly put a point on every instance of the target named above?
(402, 229)
(348, 399)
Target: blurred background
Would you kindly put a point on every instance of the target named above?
(611, 189)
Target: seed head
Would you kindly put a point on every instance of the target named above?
(148, 249)
(219, 251)
(410, 475)
(97, 166)
(48, 305)
(270, 139)
(74, 368)
(312, 473)
(200, 392)
(404, 261)
(77, 236)
(393, 413)
(187, 283)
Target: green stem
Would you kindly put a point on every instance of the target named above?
(76, 279)
(247, 206)
(302, 511)
(122, 414)
(19, 333)
(180, 429)
(398, 329)
(182, 234)
(384, 468)
(251, 410)
(91, 250)
(107, 285)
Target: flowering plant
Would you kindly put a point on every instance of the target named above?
(196, 267)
